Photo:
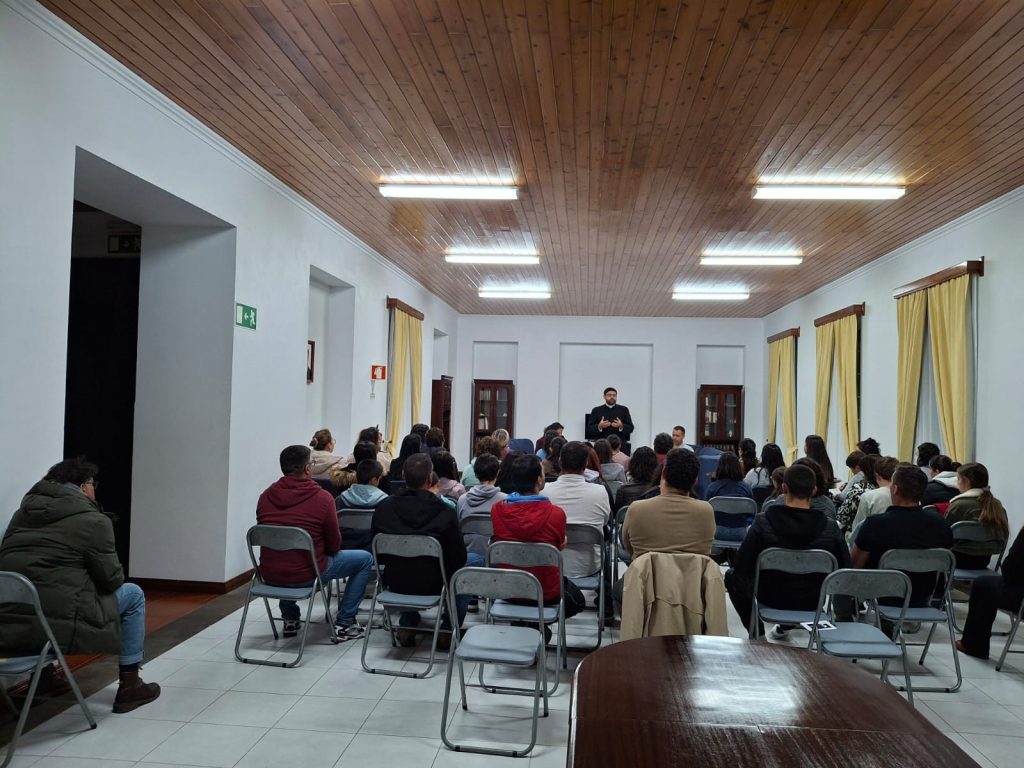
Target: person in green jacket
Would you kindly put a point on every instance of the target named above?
(63, 542)
(976, 502)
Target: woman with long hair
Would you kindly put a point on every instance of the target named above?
(411, 445)
(551, 465)
(864, 465)
(728, 478)
(642, 466)
(976, 502)
(814, 448)
(761, 475)
(748, 455)
(610, 471)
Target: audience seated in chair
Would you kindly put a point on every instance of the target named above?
(673, 521)
(761, 475)
(821, 499)
(295, 500)
(324, 459)
(411, 445)
(417, 511)
(615, 443)
(503, 438)
(748, 457)
(527, 515)
(479, 499)
(1003, 590)
(728, 479)
(790, 525)
(976, 502)
(611, 471)
(876, 501)
(942, 485)
(864, 466)
(540, 448)
(62, 541)
(662, 444)
(903, 526)
(642, 466)
(551, 465)
(344, 475)
(814, 448)
(365, 494)
(434, 440)
(448, 472)
(484, 445)
(925, 453)
(582, 502)
(372, 435)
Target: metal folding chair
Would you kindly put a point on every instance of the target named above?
(973, 531)
(18, 590)
(798, 561)
(941, 563)
(497, 644)
(282, 537)
(619, 552)
(581, 533)
(1014, 623)
(859, 640)
(732, 512)
(478, 523)
(526, 555)
(395, 545)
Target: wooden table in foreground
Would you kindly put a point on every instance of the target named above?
(664, 701)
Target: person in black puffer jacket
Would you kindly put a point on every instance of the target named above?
(792, 525)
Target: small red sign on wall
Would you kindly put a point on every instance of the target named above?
(378, 372)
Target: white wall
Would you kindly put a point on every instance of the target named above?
(673, 384)
(69, 94)
(994, 232)
(319, 294)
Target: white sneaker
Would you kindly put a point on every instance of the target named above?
(778, 633)
(351, 632)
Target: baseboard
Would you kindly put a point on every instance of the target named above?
(207, 587)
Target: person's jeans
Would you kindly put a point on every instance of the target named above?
(131, 604)
(409, 619)
(357, 565)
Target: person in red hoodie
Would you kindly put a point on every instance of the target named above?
(297, 500)
(527, 516)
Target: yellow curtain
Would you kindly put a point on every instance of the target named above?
(401, 328)
(416, 358)
(947, 313)
(825, 337)
(846, 329)
(910, 317)
(787, 390)
(773, 389)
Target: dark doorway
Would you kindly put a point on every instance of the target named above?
(103, 324)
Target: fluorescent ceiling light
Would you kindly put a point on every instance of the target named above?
(490, 258)
(750, 261)
(512, 293)
(710, 295)
(449, 191)
(826, 192)
(462, 178)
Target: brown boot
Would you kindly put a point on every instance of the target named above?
(132, 693)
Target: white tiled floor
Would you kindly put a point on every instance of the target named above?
(215, 711)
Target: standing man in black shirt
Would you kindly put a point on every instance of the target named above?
(610, 419)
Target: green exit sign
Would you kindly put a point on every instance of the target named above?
(245, 316)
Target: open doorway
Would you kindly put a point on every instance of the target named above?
(103, 326)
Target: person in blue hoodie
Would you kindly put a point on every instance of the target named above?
(364, 494)
(480, 498)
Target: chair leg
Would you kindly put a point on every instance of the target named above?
(270, 616)
(241, 626)
(956, 654)
(927, 642)
(462, 685)
(906, 669)
(444, 707)
(20, 727)
(1014, 623)
(74, 688)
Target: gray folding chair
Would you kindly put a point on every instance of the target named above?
(619, 552)
(526, 555)
(732, 512)
(581, 533)
(860, 640)
(498, 644)
(282, 537)
(798, 561)
(355, 518)
(973, 531)
(15, 589)
(394, 545)
(614, 486)
(1014, 623)
(941, 563)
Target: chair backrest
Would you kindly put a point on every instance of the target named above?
(521, 445)
(521, 554)
(733, 511)
(867, 584)
(620, 515)
(931, 508)
(498, 584)
(919, 561)
(355, 518)
(279, 537)
(406, 545)
(972, 530)
(396, 486)
(19, 590)
(614, 486)
(760, 493)
(796, 561)
(479, 523)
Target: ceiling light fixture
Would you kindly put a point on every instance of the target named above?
(512, 293)
(750, 261)
(827, 192)
(467, 255)
(450, 191)
(710, 295)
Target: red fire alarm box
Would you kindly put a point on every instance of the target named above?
(378, 372)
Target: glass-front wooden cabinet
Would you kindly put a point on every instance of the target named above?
(494, 403)
(720, 416)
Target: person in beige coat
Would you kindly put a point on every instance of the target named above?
(673, 594)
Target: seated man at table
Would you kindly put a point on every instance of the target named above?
(296, 500)
(417, 511)
(791, 525)
(905, 525)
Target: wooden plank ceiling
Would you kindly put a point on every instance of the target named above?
(635, 129)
